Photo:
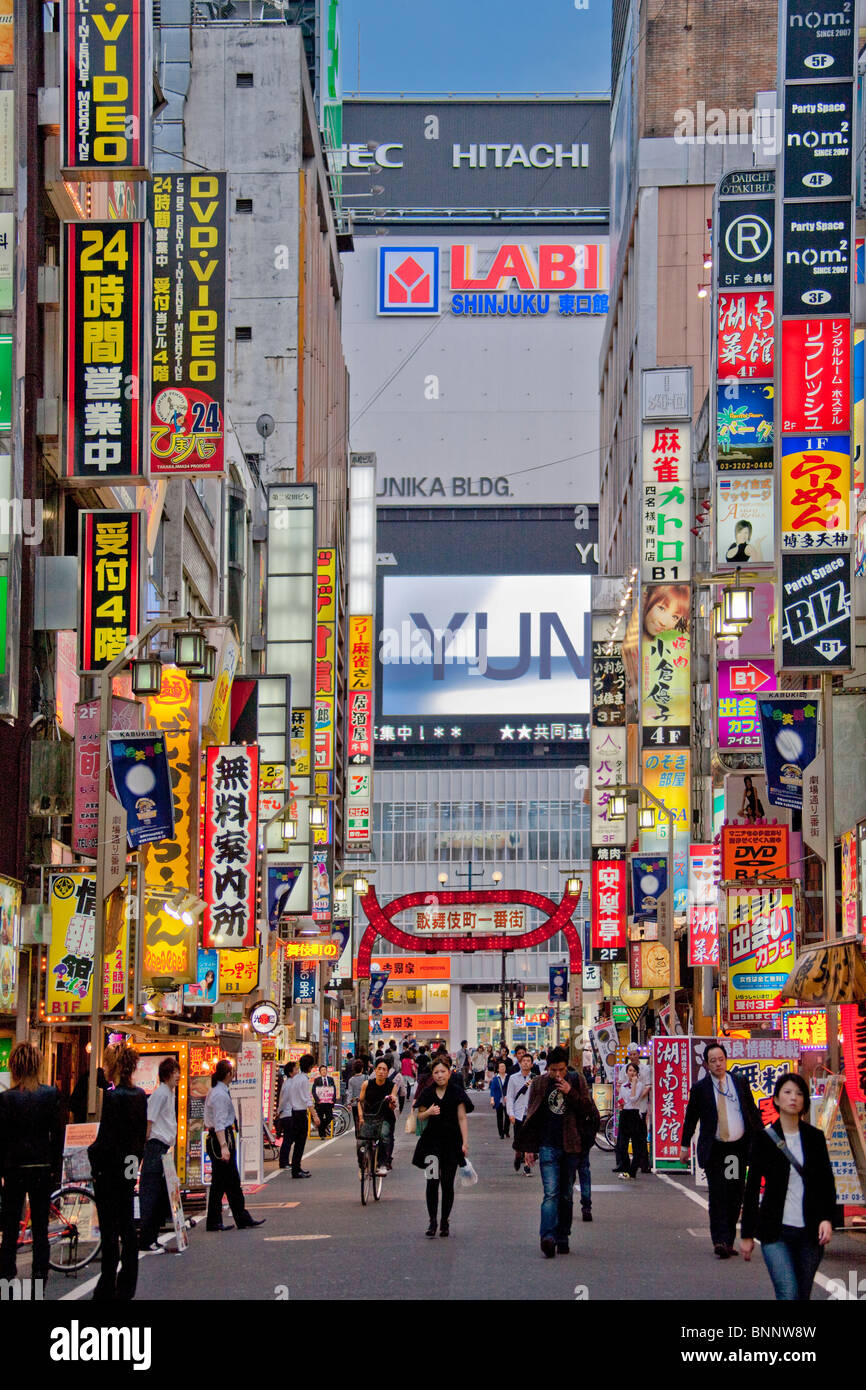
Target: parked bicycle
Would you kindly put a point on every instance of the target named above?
(606, 1137)
(73, 1229)
(341, 1122)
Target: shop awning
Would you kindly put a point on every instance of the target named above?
(832, 973)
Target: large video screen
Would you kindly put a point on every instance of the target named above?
(484, 627)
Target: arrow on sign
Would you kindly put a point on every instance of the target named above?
(748, 677)
(829, 648)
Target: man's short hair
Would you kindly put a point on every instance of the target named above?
(557, 1055)
(709, 1047)
(307, 1062)
(167, 1067)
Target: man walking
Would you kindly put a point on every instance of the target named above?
(461, 1062)
(723, 1105)
(516, 1102)
(300, 1098)
(479, 1066)
(553, 1131)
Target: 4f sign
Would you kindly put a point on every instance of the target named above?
(408, 280)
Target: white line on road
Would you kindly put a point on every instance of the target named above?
(273, 1238)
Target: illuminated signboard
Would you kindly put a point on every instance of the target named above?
(188, 212)
(514, 279)
(483, 917)
(312, 950)
(745, 334)
(326, 660)
(230, 869)
(739, 682)
(808, 1027)
(609, 909)
(106, 276)
(759, 931)
(109, 569)
(107, 89)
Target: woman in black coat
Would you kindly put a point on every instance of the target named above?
(794, 1222)
(114, 1158)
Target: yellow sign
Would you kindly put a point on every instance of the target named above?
(172, 864)
(69, 978)
(7, 33)
(272, 777)
(216, 726)
(326, 586)
(239, 971)
(666, 776)
(665, 681)
(312, 950)
(169, 946)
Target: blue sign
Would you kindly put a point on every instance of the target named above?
(558, 991)
(649, 883)
(142, 784)
(205, 990)
(378, 981)
(304, 981)
(789, 735)
(281, 880)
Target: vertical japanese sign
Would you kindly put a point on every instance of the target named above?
(359, 806)
(609, 909)
(230, 846)
(850, 914)
(326, 660)
(789, 736)
(360, 682)
(109, 579)
(703, 910)
(608, 685)
(10, 942)
(107, 89)
(607, 769)
(105, 352)
(671, 1079)
(173, 864)
(759, 933)
(665, 675)
(69, 978)
(187, 424)
(853, 1019)
(815, 261)
(666, 520)
(125, 715)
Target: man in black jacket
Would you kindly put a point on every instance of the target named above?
(723, 1105)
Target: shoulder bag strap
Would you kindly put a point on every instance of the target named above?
(783, 1148)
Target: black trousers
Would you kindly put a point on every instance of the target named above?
(299, 1139)
(632, 1128)
(445, 1181)
(152, 1193)
(518, 1152)
(503, 1123)
(324, 1115)
(225, 1182)
(726, 1181)
(18, 1183)
(114, 1196)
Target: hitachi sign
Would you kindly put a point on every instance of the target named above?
(551, 267)
(505, 156)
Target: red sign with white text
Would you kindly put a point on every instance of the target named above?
(816, 395)
(609, 907)
(746, 334)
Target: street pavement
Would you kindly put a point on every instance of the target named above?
(648, 1239)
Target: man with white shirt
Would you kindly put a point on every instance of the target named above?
(300, 1098)
(516, 1101)
(723, 1105)
(161, 1138)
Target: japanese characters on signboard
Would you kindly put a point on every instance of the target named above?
(789, 737)
(649, 876)
(806, 1027)
(187, 425)
(609, 908)
(649, 965)
(744, 426)
(608, 685)
(745, 334)
(125, 715)
(704, 873)
(321, 879)
(326, 659)
(173, 864)
(745, 518)
(359, 806)
(141, 779)
(816, 372)
(738, 718)
(107, 101)
(607, 769)
(312, 950)
(480, 917)
(665, 682)
(755, 851)
(671, 1074)
(230, 869)
(815, 631)
(759, 932)
(69, 977)
(109, 570)
(815, 491)
(105, 352)
(666, 777)
(169, 945)
(666, 518)
(10, 940)
(238, 970)
(850, 913)
(360, 682)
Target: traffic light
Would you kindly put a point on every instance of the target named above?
(521, 1007)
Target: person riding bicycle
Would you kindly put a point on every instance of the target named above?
(378, 1101)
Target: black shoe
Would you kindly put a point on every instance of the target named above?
(221, 1227)
(587, 1214)
(562, 1247)
(721, 1252)
(548, 1247)
(517, 1163)
(303, 1174)
(431, 1230)
(444, 1228)
(245, 1225)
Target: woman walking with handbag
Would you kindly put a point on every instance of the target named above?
(794, 1222)
(444, 1142)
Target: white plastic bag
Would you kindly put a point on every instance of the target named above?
(468, 1175)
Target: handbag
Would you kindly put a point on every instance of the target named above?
(411, 1122)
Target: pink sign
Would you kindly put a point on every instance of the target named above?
(740, 683)
(704, 875)
(671, 1072)
(125, 718)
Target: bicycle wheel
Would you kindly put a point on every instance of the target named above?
(366, 1176)
(601, 1139)
(377, 1185)
(73, 1229)
(342, 1121)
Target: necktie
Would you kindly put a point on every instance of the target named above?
(722, 1105)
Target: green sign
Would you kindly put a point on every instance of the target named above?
(620, 1013)
(5, 1053)
(5, 381)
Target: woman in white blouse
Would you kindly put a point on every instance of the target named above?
(632, 1120)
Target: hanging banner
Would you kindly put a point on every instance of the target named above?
(142, 784)
(10, 943)
(666, 524)
(107, 93)
(321, 881)
(558, 986)
(230, 845)
(69, 977)
(187, 423)
(126, 716)
(649, 965)
(815, 630)
(759, 931)
(109, 581)
(609, 908)
(281, 880)
(789, 737)
(853, 1020)
(105, 282)
(649, 878)
(755, 851)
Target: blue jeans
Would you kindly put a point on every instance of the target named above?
(585, 1176)
(792, 1262)
(558, 1172)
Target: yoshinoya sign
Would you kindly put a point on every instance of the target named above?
(512, 279)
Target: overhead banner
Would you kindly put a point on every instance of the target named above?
(230, 846)
(759, 929)
(815, 632)
(106, 280)
(107, 94)
(109, 582)
(187, 422)
(69, 977)
(649, 876)
(789, 736)
(142, 784)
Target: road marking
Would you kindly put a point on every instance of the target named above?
(692, 1196)
(274, 1238)
(271, 1206)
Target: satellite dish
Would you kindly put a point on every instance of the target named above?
(265, 426)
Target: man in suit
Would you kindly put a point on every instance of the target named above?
(723, 1105)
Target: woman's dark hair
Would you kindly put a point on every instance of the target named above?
(633, 1066)
(709, 1047)
(126, 1063)
(209, 977)
(222, 1069)
(441, 1060)
(802, 1086)
(167, 1067)
(357, 1066)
